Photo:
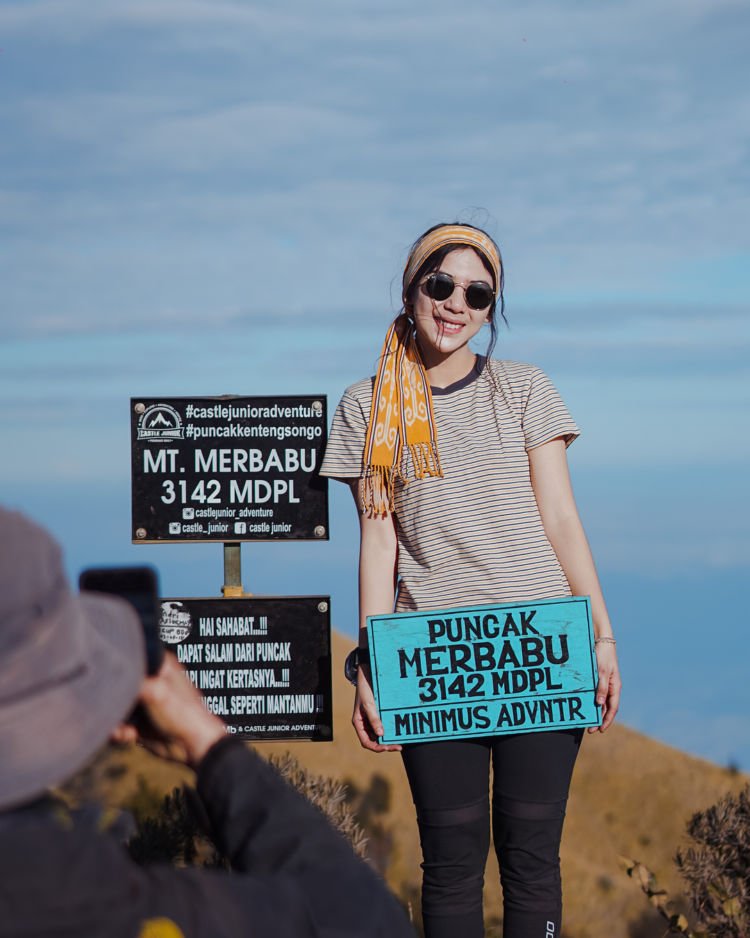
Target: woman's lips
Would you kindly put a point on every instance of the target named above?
(449, 328)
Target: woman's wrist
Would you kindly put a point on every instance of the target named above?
(357, 658)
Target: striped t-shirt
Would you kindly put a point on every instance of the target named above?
(475, 535)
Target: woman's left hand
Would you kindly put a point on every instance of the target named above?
(609, 687)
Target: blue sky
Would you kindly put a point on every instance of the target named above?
(217, 197)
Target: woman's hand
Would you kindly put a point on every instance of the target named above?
(366, 719)
(609, 687)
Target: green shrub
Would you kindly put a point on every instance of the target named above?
(716, 871)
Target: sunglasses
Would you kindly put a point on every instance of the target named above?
(440, 285)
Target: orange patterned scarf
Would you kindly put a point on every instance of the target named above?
(401, 416)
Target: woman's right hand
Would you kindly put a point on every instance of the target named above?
(366, 719)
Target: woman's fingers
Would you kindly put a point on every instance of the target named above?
(364, 729)
(367, 723)
(602, 687)
(366, 738)
(613, 700)
(608, 687)
(371, 714)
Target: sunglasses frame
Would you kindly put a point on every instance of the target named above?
(445, 277)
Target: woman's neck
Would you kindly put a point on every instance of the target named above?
(441, 373)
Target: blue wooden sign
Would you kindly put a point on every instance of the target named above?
(484, 670)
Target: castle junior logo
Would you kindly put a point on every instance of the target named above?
(160, 422)
(175, 623)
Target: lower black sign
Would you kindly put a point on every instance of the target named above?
(262, 664)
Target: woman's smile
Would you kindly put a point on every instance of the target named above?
(448, 326)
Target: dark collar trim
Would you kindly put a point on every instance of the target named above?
(464, 382)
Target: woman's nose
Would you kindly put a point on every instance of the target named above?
(457, 300)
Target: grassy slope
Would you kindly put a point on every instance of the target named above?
(631, 795)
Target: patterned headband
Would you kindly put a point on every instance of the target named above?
(450, 234)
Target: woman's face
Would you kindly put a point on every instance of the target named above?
(444, 327)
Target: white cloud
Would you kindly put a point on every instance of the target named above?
(74, 20)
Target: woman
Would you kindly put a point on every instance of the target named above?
(457, 464)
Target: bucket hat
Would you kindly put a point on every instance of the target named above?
(71, 665)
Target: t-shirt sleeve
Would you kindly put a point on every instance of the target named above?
(545, 416)
(346, 441)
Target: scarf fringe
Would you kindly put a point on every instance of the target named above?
(425, 459)
(379, 482)
(377, 490)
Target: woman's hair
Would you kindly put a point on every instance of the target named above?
(433, 261)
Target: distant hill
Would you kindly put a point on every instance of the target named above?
(631, 795)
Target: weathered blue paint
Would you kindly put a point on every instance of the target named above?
(484, 670)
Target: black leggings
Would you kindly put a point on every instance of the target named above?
(449, 783)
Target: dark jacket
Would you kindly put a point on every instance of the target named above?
(293, 874)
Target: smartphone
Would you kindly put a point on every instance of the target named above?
(140, 587)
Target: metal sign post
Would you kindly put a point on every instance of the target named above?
(232, 588)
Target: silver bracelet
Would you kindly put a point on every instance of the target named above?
(605, 638)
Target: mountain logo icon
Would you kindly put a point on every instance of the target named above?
(160, 423)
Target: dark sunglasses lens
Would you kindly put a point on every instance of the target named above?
(439, 286)
(478, 295)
